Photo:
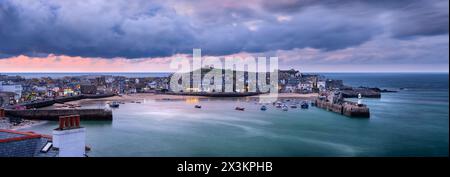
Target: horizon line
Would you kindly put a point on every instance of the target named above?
(99, 72)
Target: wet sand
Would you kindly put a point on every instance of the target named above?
(151, 96)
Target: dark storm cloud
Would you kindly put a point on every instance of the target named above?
(426, 19)
(134, 29)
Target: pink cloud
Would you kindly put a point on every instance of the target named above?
(53, 63)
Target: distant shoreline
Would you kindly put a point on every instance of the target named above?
(166, 74)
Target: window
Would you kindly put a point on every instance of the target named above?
(47, 147)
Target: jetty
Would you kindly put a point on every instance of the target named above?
(46, 103)
(334, 102)
(29, 110)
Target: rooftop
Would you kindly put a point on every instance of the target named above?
(24, 144)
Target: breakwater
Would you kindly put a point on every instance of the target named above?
(346, 108)
(46, 103)
(365, 92)
(54, 114)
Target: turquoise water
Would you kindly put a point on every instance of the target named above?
(412, 122)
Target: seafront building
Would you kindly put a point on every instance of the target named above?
(289, 81)
(18, 90)
(13, 88)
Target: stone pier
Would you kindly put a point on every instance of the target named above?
(346, 108)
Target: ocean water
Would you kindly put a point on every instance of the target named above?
(412, 122)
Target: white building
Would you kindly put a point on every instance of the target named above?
(16, 89)
(305, 86)
(321, 85)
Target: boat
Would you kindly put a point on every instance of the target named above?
(198, 106)
(293, 106)
(285, 108)
(240, 109)
(304, 105)
(263, 108)
(114, 104)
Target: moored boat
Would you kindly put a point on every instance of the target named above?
(285, 108)
(114, 104)
(240, 108)
(263, 108)
(304, 105)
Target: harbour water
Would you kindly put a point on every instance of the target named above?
(411, 122)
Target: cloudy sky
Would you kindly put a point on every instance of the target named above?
(143, 35)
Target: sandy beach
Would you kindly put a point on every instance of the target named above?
(152, 96)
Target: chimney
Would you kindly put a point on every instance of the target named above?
(69, 137)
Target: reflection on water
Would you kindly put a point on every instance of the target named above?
(192, 100)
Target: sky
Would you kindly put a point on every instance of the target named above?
(144, 35)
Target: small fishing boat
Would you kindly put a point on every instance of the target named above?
(284, 108)
(304, 105)
(293, 106)
(198, 106)
(114, 104)
(263, 108)
(240, 108)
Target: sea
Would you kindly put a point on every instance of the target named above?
(412, 122)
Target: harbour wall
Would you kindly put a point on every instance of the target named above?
(46, 103)
(349, 109)
(54, 114)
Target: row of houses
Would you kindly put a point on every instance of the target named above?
(289, 81)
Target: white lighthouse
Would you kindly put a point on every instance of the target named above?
(359, 99)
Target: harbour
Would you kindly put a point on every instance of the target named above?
(174, 127)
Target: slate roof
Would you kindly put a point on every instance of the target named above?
(24, 144)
